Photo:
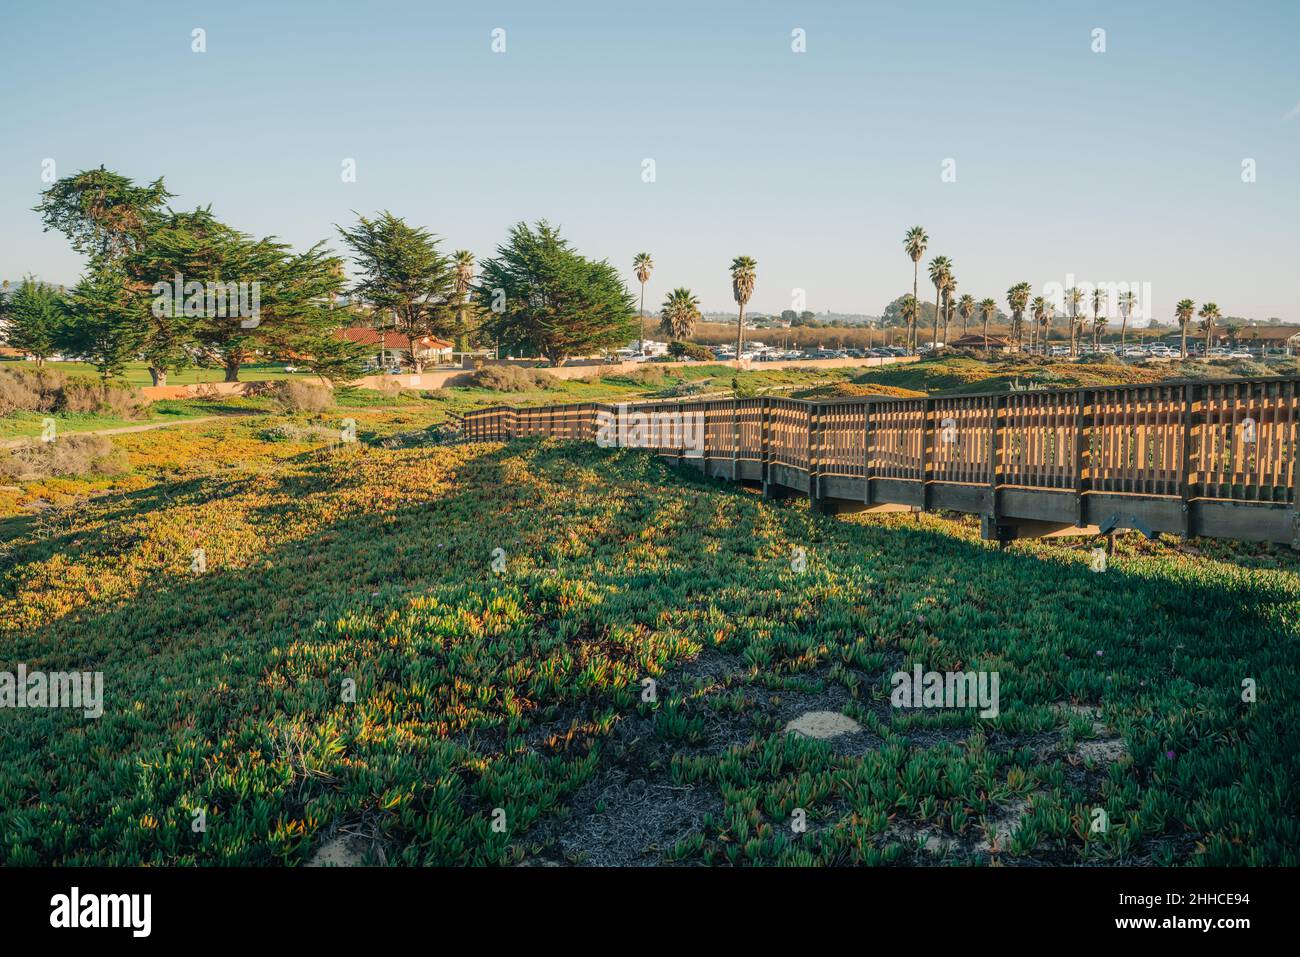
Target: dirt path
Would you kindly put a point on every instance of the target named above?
(121, 430)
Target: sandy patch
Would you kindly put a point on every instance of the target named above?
(346, 850)
(822, 724)
(1000, 829)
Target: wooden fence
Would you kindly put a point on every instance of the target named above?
(1194, 458)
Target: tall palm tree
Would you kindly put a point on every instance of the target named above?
(940, 273)
(642, 266)
(1037, 306)
(1209, 315)
(1126, 302)
(914, 243)
(1072, 299)
(1184, 311)
(988, 309)
(908, 311)
(1098, 323)
(463, 262)
(1018, 299)
(949, 291)
(1043, 313)
(949, 306)
(743, 273)
(681, 311)
(965, 309)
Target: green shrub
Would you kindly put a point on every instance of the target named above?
(106, 398)
(72, 455)
(690, 350)
(29, 390)
(288, 432)
(299, 395)
(642, 375)
(45, 390)
(513, 379)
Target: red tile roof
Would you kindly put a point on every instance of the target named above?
(391, 340)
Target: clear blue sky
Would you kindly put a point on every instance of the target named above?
(1115, 166)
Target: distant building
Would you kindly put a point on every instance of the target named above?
(390, 346)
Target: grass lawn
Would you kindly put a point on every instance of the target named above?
(25, 424)
(137, 373)
(502, 718)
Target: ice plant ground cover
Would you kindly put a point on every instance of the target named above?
(497, 610)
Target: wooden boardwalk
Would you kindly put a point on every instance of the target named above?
(1213, 458)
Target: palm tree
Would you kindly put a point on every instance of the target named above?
(940, 273)
(1184, 311)
(1126, 301)
(1018, 299)
(681, 311)
(1098, 322)
(908, 311)
(988, 308)
(1043, 313)
(1072, 299)
(949, 290)
(914, 243)
(642, 266)
(1036, 309)
(463, 262)
(1209, 313)
(965, 309)
(743, 273)
(949, 306)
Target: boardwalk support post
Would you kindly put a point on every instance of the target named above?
(1082, 457)
(927, 436)
(1185, 487)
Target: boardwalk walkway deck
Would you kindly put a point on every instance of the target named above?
(1213, 458)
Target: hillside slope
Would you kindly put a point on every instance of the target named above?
(501, 718)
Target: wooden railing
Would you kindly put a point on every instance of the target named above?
(1206, 447)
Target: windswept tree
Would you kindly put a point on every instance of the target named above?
(1126, 302)
(642, 265)
(1073, 297)
(988, 309)
(109, 219)
(1209, 316)
(1184, 312)
(32, 317)
(102, 213)
(914, 243)
(106, 326)
(965, 309)
(940, 273)
(243, 297)
(680, 313)
(744, 272)
(1018, 301)
(404, 277)
(538, 293)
